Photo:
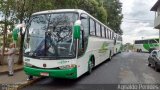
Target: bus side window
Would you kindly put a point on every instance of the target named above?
(84, 34)
(107, 33)
(98, 30)
(110, 34)
(103, 31)
(92, 27)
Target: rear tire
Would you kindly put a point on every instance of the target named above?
(90, 66)
(156, 68)
(140, 50)
(110, 56)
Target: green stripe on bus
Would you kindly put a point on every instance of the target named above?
(148, 46)
(57, 73)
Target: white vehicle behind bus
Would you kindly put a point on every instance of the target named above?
(147, 45)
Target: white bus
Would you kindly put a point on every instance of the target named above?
(67, 43)
(146, 45)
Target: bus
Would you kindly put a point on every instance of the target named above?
(66, 43)
(146, 45)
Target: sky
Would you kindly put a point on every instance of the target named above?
(138, 20)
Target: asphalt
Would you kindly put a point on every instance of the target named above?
(124, 68)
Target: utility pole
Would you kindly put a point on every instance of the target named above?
(159, 39)
(142, 38)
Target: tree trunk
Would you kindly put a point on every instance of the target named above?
(20, 59)
(4, 43)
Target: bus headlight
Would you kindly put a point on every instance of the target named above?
(67, 66)
(28, 64)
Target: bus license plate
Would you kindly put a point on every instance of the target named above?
(44, 74)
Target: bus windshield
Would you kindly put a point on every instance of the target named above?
(50, 35)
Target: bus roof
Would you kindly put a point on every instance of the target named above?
(59, 10)
(72, 10)
(147, 39)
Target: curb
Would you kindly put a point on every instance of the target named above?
(16, 70)
(26, 83)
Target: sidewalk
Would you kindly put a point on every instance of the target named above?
(4, 78)
(4, 68)
(17, 81)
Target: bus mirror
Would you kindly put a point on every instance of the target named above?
(77, 29)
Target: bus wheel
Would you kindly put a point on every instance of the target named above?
(90, 66)
(149, 64)
(156, 67)
(110, 56)
(29, 78)
(140, 50)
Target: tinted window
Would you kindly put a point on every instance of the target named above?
(98, 32)
(153, 41)
(84, 35)
(92, 27)
(103, 32)
(107, 35)
(140, 41)
(85, 25)
(110, 35)
(50, 35)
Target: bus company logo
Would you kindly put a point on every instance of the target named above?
(63, 62)
(103, 48)
(44, 65)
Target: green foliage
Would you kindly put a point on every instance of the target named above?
(9, 40)
(127, 47)
(107, 11)
(115, 15)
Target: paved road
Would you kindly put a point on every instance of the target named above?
(124, 68)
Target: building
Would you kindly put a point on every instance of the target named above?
(156, 8)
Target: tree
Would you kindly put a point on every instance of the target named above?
(24, 10)
(114, 11)
(91, 6)
(107, 11)
(7, 20)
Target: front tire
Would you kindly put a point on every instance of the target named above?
(30, 77)
(149, 64)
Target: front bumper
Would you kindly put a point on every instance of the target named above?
(55, 73)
